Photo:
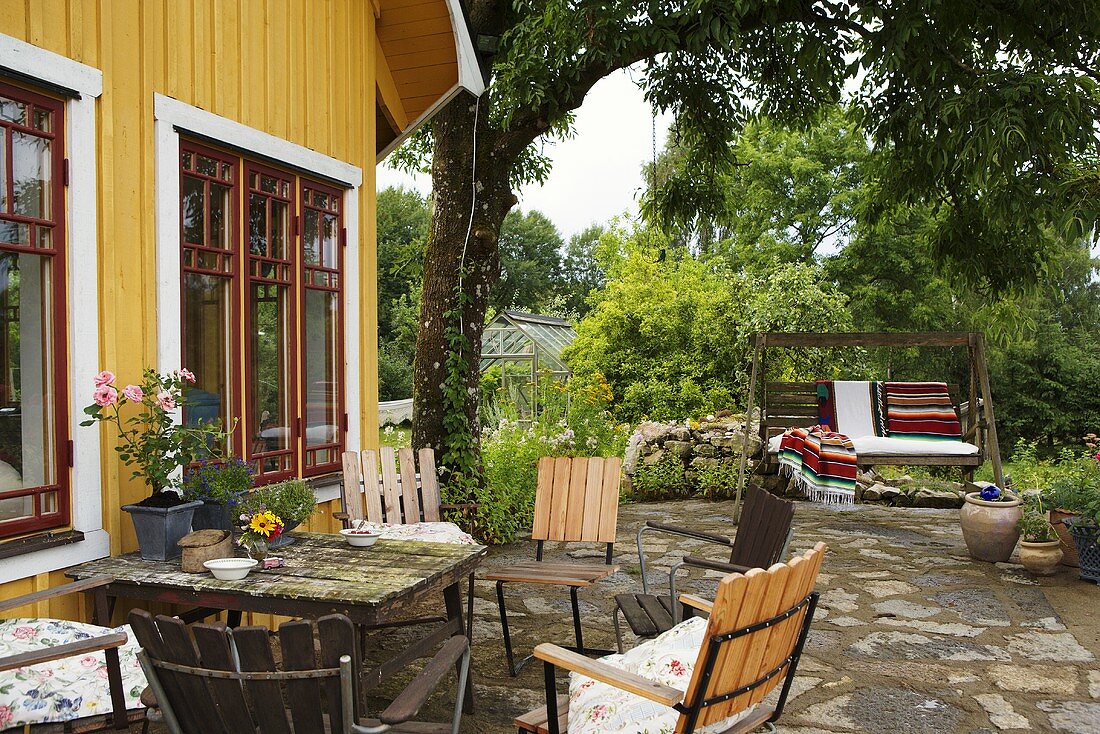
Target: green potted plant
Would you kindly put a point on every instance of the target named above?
(1070, 494)
(157, 447)
(291, 501)
(1040, 549)
(219, 485)
(1077, 491)
(988, 518)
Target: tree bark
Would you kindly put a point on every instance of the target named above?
(458, 241)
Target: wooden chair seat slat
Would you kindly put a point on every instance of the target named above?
(558, 574)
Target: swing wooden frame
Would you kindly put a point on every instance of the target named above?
(978, 422)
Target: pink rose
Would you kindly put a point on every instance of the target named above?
(104, 378)
(89, 660)
(165, 400)
(1097, 457)
(133, 393)
(105, 395)
(186, 374)
(24, 633)
(5, 716)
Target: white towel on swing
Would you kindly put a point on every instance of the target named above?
(852, 407)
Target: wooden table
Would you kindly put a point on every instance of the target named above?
(373, 586)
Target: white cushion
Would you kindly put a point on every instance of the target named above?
(61, 690)
(431, 532)
(669, 658)
(898, 446)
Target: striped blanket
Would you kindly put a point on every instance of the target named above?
(822, 462)
(919, 410)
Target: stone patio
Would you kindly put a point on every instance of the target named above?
(911, 635)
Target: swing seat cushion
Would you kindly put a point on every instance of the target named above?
(880, 446)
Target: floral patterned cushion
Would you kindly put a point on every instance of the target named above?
(432, 532)
(669, 658)
(65, 689)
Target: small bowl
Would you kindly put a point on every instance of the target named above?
(230, 569)
(360, 539)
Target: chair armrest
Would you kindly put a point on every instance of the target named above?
(408, 702)
(714, 565)
(93, 582)
(696, 602)
(58, 652)
(341, 516)
(621, 679)
(689, 533)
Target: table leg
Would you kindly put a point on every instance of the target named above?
(233, 618)
(452, 598)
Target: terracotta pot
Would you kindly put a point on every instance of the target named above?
(1069, 548)
(989, 528)
(1041, 558)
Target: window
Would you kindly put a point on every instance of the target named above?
(208, 237)
(278, 326)
(34, 484)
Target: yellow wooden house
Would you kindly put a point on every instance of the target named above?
(191, 183)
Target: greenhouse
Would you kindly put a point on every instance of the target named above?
(520, 349)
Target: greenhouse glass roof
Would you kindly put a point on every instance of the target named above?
(514, 335)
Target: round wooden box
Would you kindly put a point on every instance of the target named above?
(204, 545)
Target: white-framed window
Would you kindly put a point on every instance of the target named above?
(287, 430)
(75, 87)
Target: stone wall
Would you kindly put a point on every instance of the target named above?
(717, 440)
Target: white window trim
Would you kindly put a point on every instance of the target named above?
(83, 301)
(170, 118)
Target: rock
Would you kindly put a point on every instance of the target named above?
(1074, 716)
(882, 589)
(680, 433)
(874, 492)
(706, 450)
(888, 493)
(936, 499)
(1048, 679)
(1058, 647)
(681, 449)
(1001, 712)
(701, 461)
(653, 458)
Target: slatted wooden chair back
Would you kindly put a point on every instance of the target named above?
(577, 499)
(742, 656)
(198, 675)
(764, 529)
(375, 489)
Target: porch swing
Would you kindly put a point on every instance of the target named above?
(785, 405)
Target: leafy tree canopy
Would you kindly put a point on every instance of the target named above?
(530, 262)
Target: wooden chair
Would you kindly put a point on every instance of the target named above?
(753, 642)
(217, 680)
(762, 538)
(109, 643)
(576, 500)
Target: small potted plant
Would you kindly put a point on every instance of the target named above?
(1077, 491)
(1070, 493)
(988, 518)
(1040, 550)
(293, 501)
(260, 529)
(151, 441)
(219, 485)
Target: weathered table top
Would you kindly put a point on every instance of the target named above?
(323, 574)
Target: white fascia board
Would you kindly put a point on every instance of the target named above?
(53, 68)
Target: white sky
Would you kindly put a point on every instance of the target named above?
(597, 174)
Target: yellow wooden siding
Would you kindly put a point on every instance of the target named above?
(301, 70)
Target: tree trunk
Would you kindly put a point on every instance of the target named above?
(455, 244)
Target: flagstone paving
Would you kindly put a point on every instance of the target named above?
(911, 635)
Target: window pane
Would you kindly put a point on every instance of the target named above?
(27, 439)
(13, 233)
(280, 221)
(330, 251)
(257, 225)
(30, 157)
(13, 111)
(220, 224)
(206, 347)
(268, 371)
(311, 237)
(207, 166)
(16, 508)
(322, 373)
(192, 209)
(42, 119)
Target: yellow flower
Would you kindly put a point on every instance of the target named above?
(264, 523)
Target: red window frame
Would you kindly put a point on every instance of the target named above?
(282, 273)
(229, 269)
(56, 253)
(322, 278)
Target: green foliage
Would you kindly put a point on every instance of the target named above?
(292, 500)
(1076, 489)
(218, 481)
(582, 273)
(669, 332)
(664, 479)
(1034, 523)
(530, 262)
(717, 481)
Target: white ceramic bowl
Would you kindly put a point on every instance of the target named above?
(230, 569)
(359, 539)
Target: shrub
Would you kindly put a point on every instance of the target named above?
(663, 479)
(292, 500)
(717, 481)
(218, 481)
